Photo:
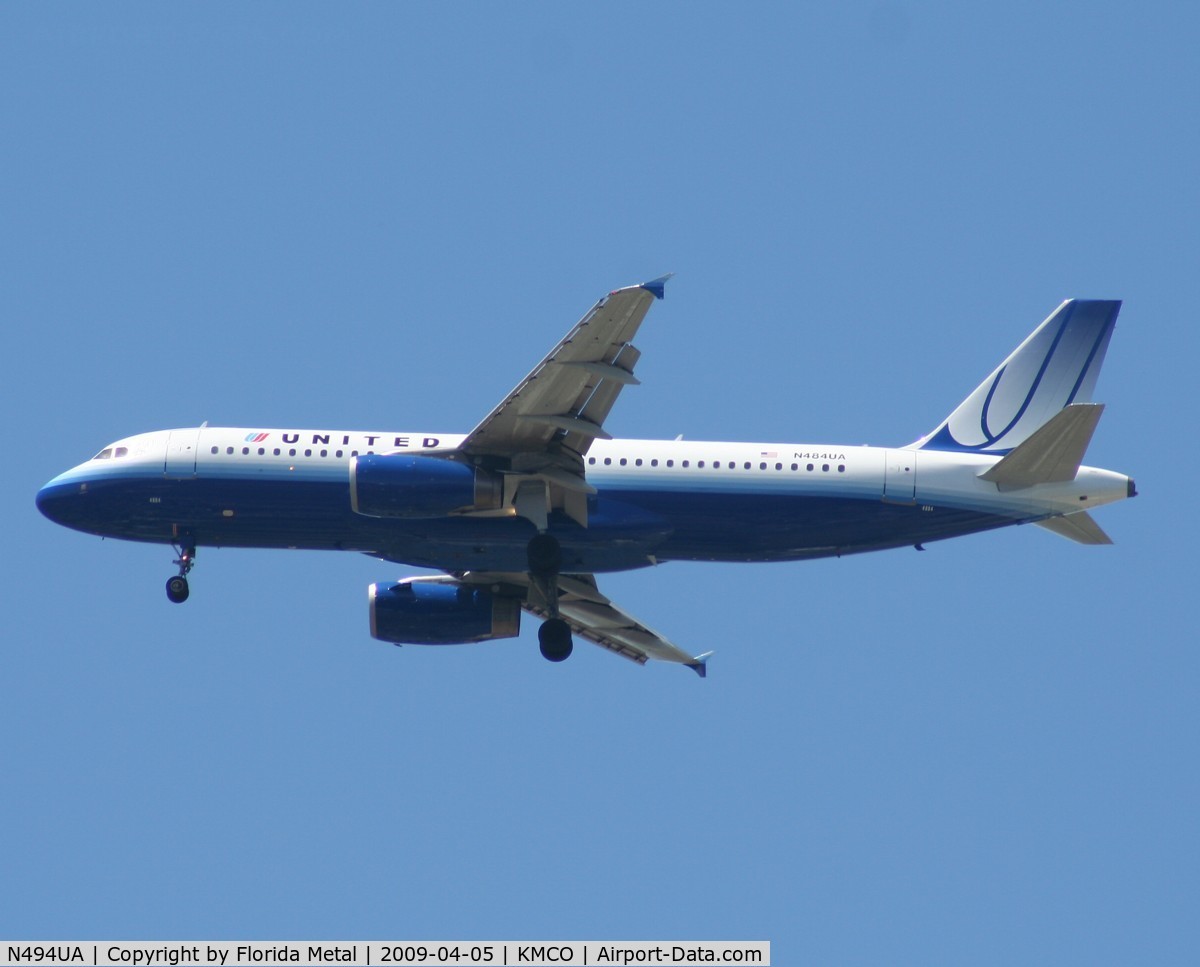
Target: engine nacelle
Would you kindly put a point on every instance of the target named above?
(415, 486)
(425, 613)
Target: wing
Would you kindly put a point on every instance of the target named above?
(591, 615)
(563, 403)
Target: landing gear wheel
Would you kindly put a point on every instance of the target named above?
(554, 636)
(177, 589)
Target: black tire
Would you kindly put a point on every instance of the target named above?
(554, 638)
(545, 555)
(177, 589)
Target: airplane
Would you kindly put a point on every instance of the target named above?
(524, 511)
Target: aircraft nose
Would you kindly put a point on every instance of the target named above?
(57, 498)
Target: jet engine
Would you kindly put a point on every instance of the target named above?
(415, 486)
(428, 613)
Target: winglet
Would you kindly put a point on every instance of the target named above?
(658, 287)
(700, 665)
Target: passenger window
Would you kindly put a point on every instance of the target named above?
(638, 461)
(795, 466)
(277, 451)
(338, 454)
(245, 451)
(216, 449)
(700, 464)
(607, 461)
(228, 450)
(654, 463)
(623, 461)
(686, 462)
(324, 453)
(292, 452)
(670, 463)
(762, 466)
(308, 453)
(810, 466)
(841, 468)
(824, 468)
(779, 466)
(591, 461)
(261, 451)
(747, 465)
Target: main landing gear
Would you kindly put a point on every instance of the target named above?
(177, 587)
(545, 561)
(554, 638)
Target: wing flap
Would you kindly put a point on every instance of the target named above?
(604, 371)
(600, 403)
(571, 424)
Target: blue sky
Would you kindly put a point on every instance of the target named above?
(381, 216)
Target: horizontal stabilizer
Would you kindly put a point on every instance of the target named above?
(1079, 527)
(1052, 454)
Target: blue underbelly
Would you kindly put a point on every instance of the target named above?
(627, 529)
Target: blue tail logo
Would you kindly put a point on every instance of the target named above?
(1056, 366)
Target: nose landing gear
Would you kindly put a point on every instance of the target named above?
(177, 587)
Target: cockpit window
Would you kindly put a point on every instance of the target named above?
(112, 453)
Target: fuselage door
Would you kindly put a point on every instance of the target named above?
(900, 477)
(181, 453)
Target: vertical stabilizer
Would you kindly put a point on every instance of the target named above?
(1052, 369)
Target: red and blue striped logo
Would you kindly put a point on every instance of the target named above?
(256, 437)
